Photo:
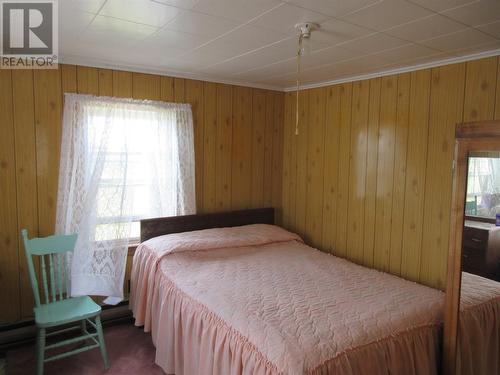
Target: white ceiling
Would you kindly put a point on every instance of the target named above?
(253, 42)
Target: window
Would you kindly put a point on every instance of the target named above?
(122, 160)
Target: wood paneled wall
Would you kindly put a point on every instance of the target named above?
(369, 176)
(238, 145)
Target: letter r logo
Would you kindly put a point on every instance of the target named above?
(27, 28)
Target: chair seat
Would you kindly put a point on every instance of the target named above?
(66, 311)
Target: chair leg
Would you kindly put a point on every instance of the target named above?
(40, 350)
(83, 329)
(102, 344)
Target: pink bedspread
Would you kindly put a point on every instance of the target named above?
(268, 304)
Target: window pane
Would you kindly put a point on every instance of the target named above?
(129, 170)
(107, 232)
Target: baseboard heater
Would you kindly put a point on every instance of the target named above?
(25, 332)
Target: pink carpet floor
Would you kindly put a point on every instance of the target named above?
(130, 351)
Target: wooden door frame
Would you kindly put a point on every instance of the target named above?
(470, 136)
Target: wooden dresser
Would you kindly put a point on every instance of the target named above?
(481, 249)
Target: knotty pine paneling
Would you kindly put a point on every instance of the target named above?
(371, 172)
(400, 152)
(9, 239)
(241, 150)
(343, 171)
(289, 162)
(301, 163)
(367, 178)
(357, 169)
(122, 84)
(25, 146)
(416, 166)
(314, 179)
(330, 172)
(259, 148)
(233, 127)
(383, 150)
(385, 172)
(194, 96)
(274, 150)
(446, 109)
(209, 145)
(223, 154)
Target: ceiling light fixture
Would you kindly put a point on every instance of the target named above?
(304, 29)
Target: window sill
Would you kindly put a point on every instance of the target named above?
(481, 219)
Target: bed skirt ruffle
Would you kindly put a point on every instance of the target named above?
(479, 339)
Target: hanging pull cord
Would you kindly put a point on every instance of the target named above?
(299, 55)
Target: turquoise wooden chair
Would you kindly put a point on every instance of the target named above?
(471, 207)
(59, 309)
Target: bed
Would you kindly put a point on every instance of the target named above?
(251, 298)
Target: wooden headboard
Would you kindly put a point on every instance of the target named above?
(165, 225)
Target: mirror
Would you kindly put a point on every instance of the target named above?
(471, 342)
(481, 235)
(483, 186)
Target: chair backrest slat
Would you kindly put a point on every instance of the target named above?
(66, 275)
(61, 274)
(52, 277)
(31, 269)
(44, 279)
(52, 246)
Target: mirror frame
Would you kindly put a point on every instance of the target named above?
(469, 136)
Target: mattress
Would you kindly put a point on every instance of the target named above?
(257, 300)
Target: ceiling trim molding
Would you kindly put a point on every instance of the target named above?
(104, 64)
(406, 69)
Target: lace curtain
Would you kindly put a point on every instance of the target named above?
(122, 160)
